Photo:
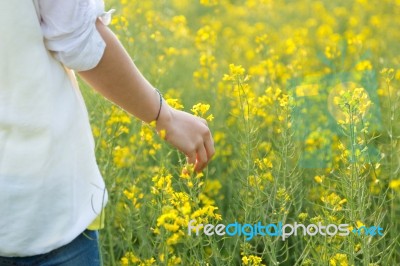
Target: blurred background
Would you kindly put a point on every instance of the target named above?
(303, 100)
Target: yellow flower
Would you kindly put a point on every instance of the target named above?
(209, 2)
(122, 157)
(174, 260)
(162, 183)
(364, 65)
(359, 224)
(284, 100)
(319, 179)
(175, 103)
(303, 216)
(174, 239)
(264, 163)
(235, 72)
(134, 195)
(332, 52)
(96, 131)
(162, 133)
(129, 258)
(252, 260)
(334, 201)
(395, 184)
(148, 262)
(171, 227)
(339, 259)
(261, 41)
(206, 38)
(200, 110)
(124, 261)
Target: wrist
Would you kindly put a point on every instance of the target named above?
(165, 116)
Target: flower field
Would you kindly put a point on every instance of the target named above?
(303, 101)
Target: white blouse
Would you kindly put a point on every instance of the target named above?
(69, 30)
(51, 188)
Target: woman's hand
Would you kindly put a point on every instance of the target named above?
(188, 133)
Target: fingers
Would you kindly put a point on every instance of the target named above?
(198, 158)
(191, 158)
(201, 159)
(209, 146)
(191, 135)
(202, 155)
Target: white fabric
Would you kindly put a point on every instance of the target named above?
(50, 185)
(69, 31)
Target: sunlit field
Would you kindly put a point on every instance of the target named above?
(303, 101)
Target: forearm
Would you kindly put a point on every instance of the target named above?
(117, 78)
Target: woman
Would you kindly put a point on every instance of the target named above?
(51, 190)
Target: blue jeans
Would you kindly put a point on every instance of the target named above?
(82, 251)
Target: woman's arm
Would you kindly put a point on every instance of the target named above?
(117, 78)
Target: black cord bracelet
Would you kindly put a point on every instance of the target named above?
(161, 100)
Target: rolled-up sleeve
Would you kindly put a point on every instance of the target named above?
(69, 30)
